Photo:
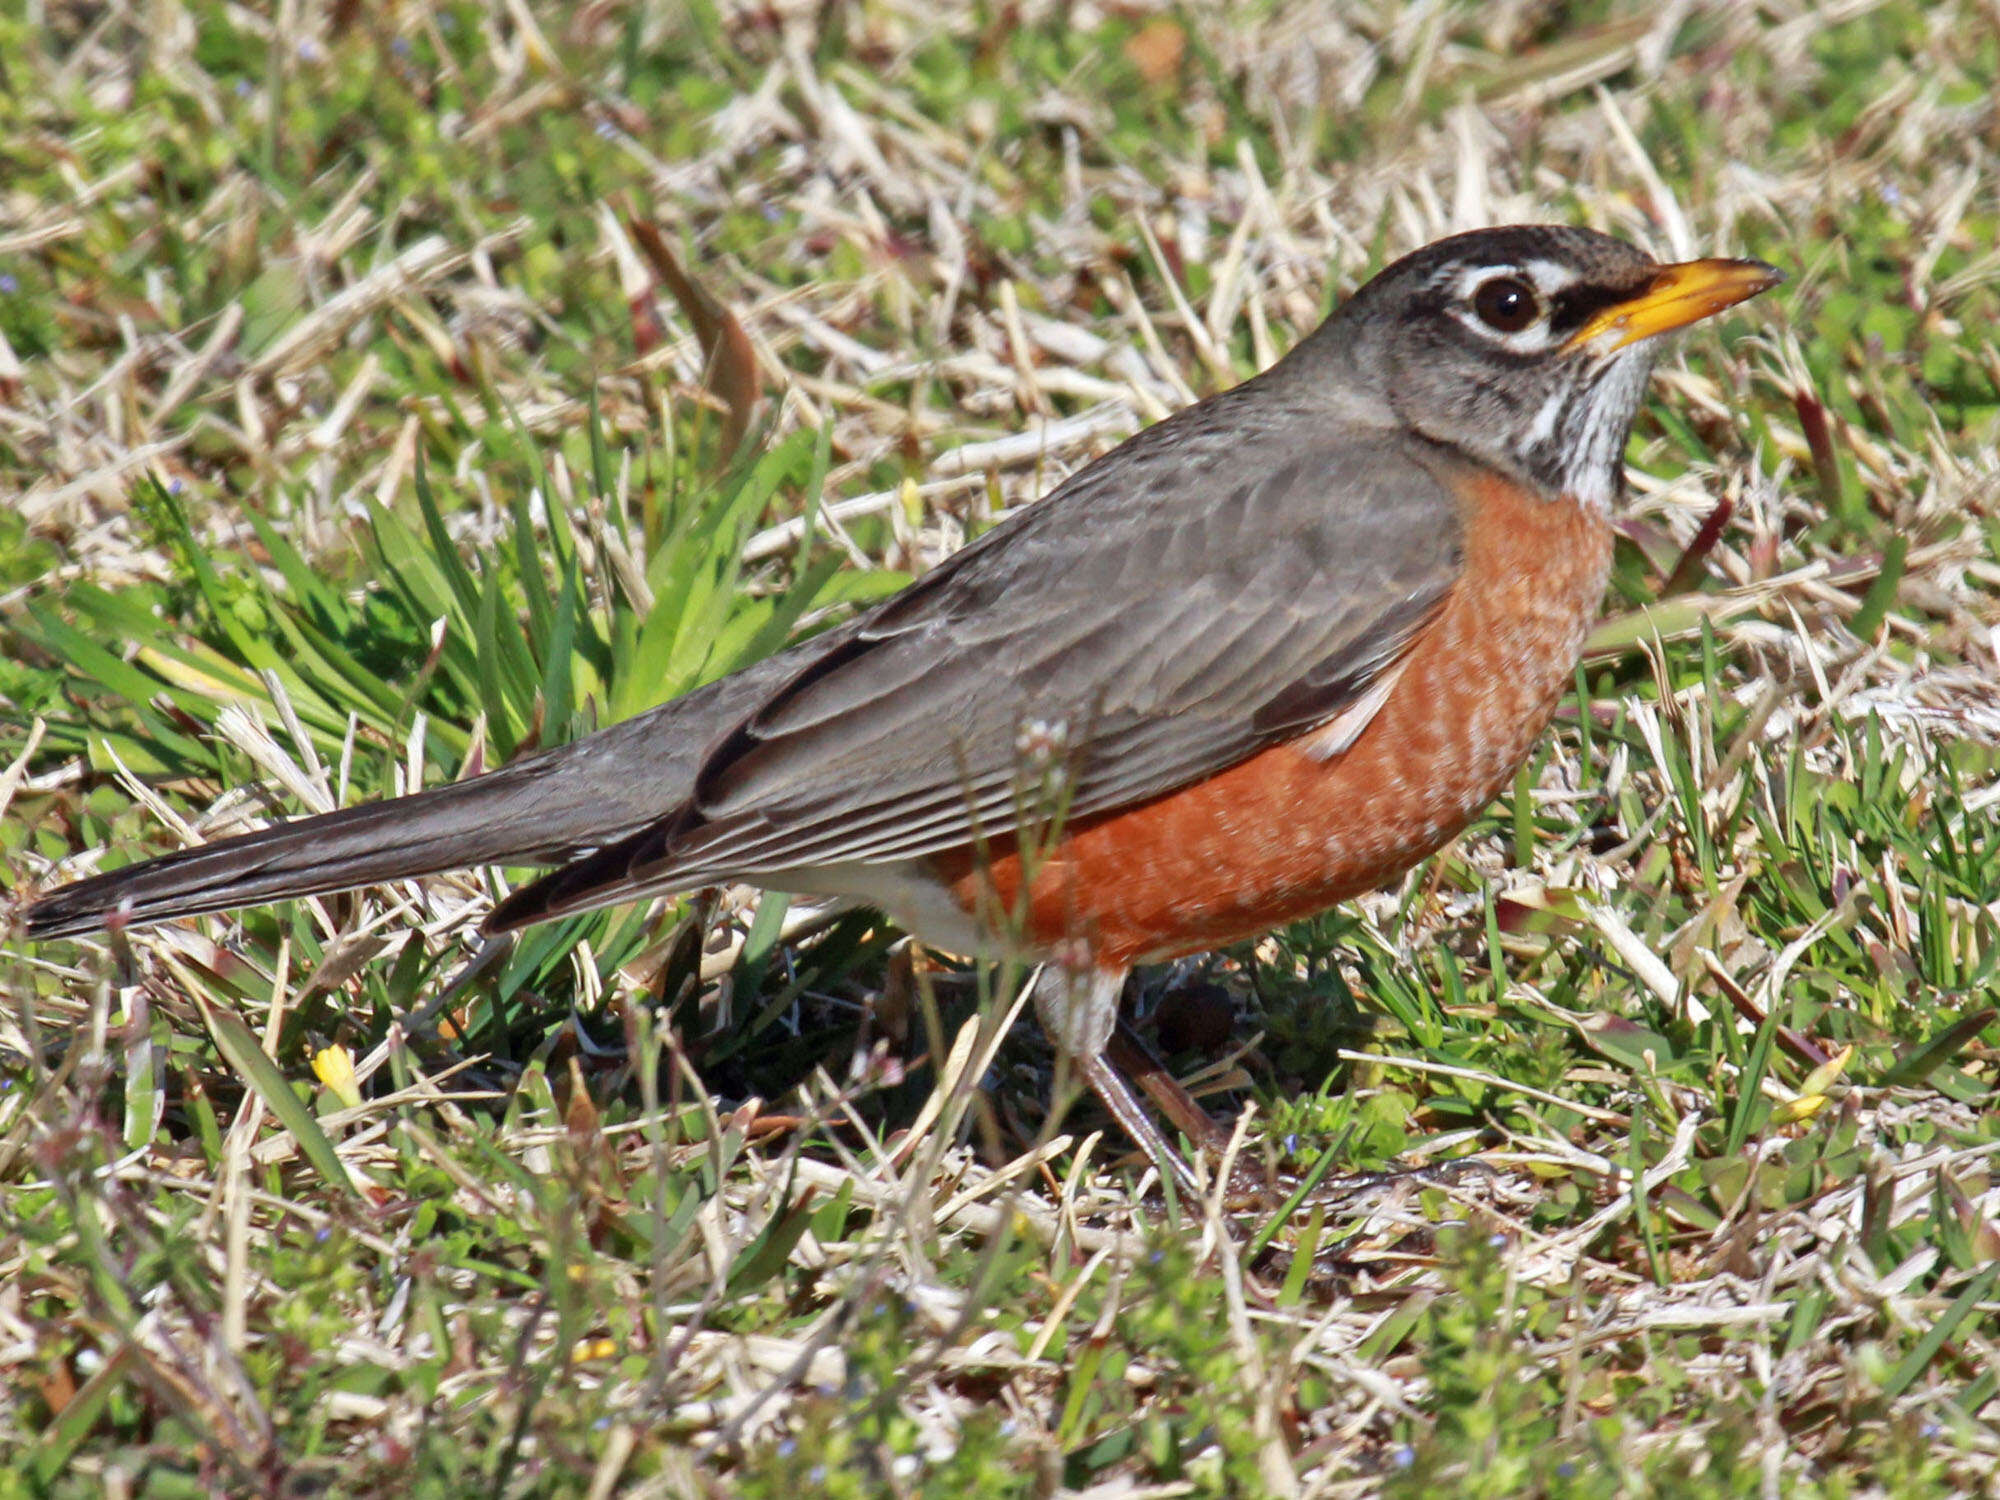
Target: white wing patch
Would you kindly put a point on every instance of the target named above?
(1341, 731)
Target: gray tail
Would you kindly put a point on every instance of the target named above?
(506, 818)
(546, 810)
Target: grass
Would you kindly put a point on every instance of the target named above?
(369, 389)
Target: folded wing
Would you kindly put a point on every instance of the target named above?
(1149, 635)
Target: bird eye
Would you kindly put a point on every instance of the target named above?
(1506, 304)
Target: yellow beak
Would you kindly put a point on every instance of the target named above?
(1677, 296)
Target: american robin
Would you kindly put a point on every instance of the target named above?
(1264, 656)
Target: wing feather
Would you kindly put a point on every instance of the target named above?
(1311, 590)
(1154, 621)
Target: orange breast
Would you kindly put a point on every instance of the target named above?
(1283, 835)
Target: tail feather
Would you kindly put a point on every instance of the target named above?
(602, 877)
(453, 827)
(496, 819)
(545, 810)
(551, 808)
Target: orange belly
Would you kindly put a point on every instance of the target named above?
(1283, 835)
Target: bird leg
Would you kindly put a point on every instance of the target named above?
(1252, 1184)
(1129, 1054)
(1116, 1095)
(1077, 1004)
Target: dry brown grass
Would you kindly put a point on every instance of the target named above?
(978, 249)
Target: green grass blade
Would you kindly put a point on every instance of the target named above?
(240, 1047)
(1926, 1348)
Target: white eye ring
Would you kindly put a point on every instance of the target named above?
(1507, 304)
(1530, 336)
